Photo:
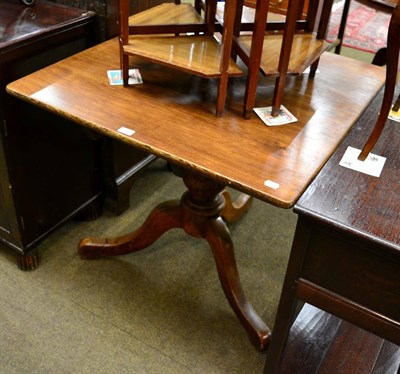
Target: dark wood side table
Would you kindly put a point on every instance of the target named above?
(38, 172)
(345, 257)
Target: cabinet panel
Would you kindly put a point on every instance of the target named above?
(48, 172)
(8, 220)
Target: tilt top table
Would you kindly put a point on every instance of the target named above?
(171, 116)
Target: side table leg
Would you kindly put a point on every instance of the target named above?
(220, 241)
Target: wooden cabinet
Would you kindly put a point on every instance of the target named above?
(48, 168)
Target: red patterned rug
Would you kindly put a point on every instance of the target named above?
(366, 29)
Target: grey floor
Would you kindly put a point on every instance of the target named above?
(158, 311)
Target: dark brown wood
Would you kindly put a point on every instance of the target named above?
(324, 344)
(346, 253)
(172, 114)
(198, 213)
(121, 166)
(28, 261)
(38, 190)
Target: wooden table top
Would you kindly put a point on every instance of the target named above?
(172, 116)
(366, 206)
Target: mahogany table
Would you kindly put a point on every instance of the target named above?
(172, 117)
(345, 257)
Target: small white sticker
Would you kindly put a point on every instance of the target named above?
(126, 131)
(271, 184)
(372, 165)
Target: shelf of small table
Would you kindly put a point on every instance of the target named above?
(196, 54)
(305, 50)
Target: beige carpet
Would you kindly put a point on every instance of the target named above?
(158, 311)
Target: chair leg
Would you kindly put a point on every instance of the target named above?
(313, 68)
(125, 68)
(255, 57)
(393, 49)
(287, 41)
(226, 48)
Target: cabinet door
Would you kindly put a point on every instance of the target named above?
(8, 221)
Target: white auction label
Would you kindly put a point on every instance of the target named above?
(372, 165)
(271, 184)
(126, 131)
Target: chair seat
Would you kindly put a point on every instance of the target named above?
(195, 54)
(305, 50)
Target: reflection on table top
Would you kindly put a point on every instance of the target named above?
(172, 116)
(20, 22)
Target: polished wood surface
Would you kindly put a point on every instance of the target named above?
(325, 344)
(260, 49)
(345, 257)
(248, 14)
(199, 55)
(172, 110)
(167, 14)
(197, 51)
(23, 23)
(305, 50)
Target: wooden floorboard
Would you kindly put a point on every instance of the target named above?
(320, 343)
(353, 351)
(389, 359)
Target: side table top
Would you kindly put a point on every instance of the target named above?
(364, 205)
(20, 22)
(171, 115)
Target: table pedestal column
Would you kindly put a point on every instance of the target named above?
(198, 213)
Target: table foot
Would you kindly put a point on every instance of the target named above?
(234, 210)
(29, 261)
(163, 218)
(198, 213)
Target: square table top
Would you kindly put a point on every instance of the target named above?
(172, 115)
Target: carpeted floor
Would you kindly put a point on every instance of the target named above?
(158, 311)
(366, 28)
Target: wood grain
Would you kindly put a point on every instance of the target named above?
(305, 50)
(172, 114)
